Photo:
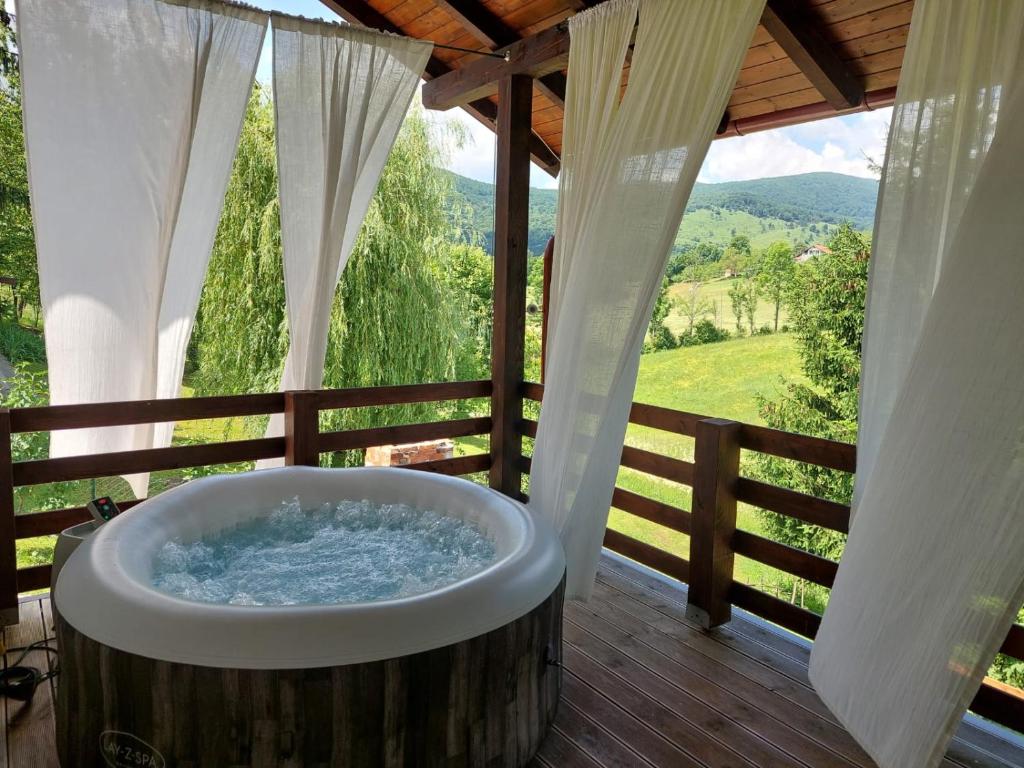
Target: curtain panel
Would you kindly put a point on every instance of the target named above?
(132, 113)
(931, 577)
(340, 96)
(629, 163)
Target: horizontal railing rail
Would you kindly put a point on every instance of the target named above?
(303, 442)
(715, 540)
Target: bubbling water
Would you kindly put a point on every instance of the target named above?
(350, 552)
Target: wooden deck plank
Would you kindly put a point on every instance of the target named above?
(30, 725)
(679, 731)
(595, 742)
(640, 738)
(558, 752)
(644, 688)
(755, 706)
(757, 735)
(972, 747)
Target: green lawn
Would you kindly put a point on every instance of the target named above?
(717, 292)
(722, 380)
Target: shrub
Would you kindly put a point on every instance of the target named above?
(704, 332)
(764, 330)
(20, 345)
(660, 338)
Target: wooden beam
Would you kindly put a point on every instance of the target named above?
(511, 217)
(360, 13)
(492, 31)
(536, 56)
(797, 34)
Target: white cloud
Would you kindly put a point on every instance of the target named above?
(475, 158)
(841, 145)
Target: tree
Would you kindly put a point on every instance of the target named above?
(776, 274)
(826, 303)
(705, 253)
(751, 294)
(396, 318)
(469, 274)
(657, 331)
(733, 261)
(741, 244)
(693, 307)
(737, 294)
(17, 241)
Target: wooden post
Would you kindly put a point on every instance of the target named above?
(717, 460)
(8, 547)
(549, 263)
(511, 211)
(302, 428)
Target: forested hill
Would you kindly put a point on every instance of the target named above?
(800, 209)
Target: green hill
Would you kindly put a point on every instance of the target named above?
(801, 209)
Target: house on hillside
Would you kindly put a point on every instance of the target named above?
(811, 252)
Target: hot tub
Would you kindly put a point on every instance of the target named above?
(467, 674)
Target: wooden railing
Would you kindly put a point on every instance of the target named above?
(302, 443)
(718, 486)
(715, 477)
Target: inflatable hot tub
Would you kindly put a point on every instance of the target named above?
(466, 674)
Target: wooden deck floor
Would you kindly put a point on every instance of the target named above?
(643, 688)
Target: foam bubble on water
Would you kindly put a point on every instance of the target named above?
(354, 551)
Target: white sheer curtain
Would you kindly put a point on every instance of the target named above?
(132, 114)
(340, 96)
(946, 113)
(627, 170)
(932, 574)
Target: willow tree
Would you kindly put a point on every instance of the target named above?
(17, 243)
(396, 316)
(240, 337)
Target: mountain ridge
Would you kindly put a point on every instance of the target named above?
(800, 208)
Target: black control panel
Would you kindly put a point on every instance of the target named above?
(103, 509)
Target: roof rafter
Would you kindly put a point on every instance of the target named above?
(797, 34)
(537, 56)
(360, 13)
(490, 30)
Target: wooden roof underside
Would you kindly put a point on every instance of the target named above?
(826, 56)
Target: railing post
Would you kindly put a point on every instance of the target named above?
(8, 543)
(713, 522)
(302, 428)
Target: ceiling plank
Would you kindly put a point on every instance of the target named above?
(490, 30)
(797, 34)
(361, 13)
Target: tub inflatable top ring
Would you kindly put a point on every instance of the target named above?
(105, 590)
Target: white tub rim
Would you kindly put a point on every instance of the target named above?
(104, 590)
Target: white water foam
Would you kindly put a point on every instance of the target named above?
(351, 552)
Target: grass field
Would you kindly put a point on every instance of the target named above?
(717, 292)
(722, 380)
